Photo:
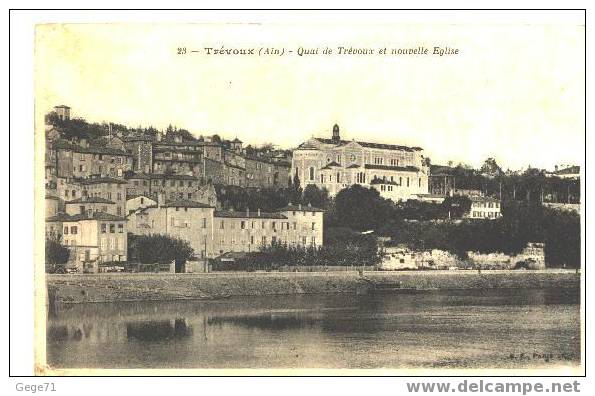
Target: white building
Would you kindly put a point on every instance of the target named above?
(484, 208)
(566, 172)
(335, 164)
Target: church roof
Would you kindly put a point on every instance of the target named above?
(381, 146)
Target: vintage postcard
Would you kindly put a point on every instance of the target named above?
(343, 194)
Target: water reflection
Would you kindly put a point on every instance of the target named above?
(158, 330)
(434, 329)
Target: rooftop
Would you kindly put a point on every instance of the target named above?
(159, 176)
(99, 180)
(136, 138)
(298, 208)
(90, 200)
(185, 203)
(248, 215)
(331, 165)
(63, 217)
(483, 199)
(431, 195)
(381, 146)
(572, 170)
(64, 145)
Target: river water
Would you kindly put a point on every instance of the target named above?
(440, 329)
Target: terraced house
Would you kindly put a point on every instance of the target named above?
(82, 160)
(335, 164)
(209, 159)
(212, 233)
(93, 238)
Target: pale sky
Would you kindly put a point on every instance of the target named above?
(515, 92)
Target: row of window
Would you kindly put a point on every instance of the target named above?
(185, 223)
(112, 228)
(73, 230)
(113, 160)
(330, 178)
(111, 243)
(360, 177)
(172, 195)
(486, 204)
(264, 240)
(285, 225)
(489, 215)
(83, 209)
(260, 164)
(83, 168)
(73, 194)
(181, 156)
(172, 183)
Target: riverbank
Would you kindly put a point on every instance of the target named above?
(92, 288)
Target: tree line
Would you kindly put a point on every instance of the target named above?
(532, 185)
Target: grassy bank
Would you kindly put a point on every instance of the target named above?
(164, 287)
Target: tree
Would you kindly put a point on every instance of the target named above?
(361, 208)
(55, 252)
(157, 248)
(456, 206)
(315, 196)
(562, 236)
(490, 168)
(296, 182)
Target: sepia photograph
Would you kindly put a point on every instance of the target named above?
(385, 195)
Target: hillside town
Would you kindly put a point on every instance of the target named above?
(109, 187)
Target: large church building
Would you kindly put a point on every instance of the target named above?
(397, 172)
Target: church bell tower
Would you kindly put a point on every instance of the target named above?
(336, 136)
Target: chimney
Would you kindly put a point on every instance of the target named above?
(258, 212)
(247, 212)
(300, 206)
